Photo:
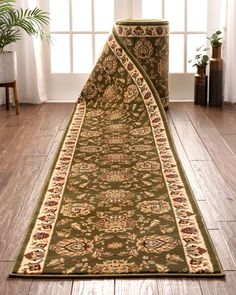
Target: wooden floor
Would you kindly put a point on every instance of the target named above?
(206, 142)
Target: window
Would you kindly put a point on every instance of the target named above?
(80, 35)
(188, 28)
(78, 38)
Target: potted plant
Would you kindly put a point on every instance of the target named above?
(215, 39)
(200, 79)
(12, 20)
(216, 70)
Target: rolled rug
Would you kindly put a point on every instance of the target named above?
(148, 42)
(117, 202)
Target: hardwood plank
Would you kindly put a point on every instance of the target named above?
(231, 142)
(12, 286)
(207, 215)
(222, 250)
(228, 230)
(186, 165)
(8, 134)
(213, 139)
(191, 141)
(9, 162)
(14, 241)
(33, 123)
(25, 173)
(93, 287)
(30, 144)
(223, 119)
(220, 286)
(15, 195)
(59, 108)
(27, 114)
(65, 123)
(54, 117)
(220, 198)
(51, 287)
(223, 157)
(209, 134)
(4, 179)
(1, 148)
(5, 116)
(178, 287)
(136, 287)
(50, 126)
(59, 136)
(18, 177)
(177, 112)
(40, 145)
(37, 121)
(227, 168)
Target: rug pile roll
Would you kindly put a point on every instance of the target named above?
(148, 41)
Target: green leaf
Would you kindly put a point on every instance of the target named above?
(201, 58)
(12, 19)
(199, 48)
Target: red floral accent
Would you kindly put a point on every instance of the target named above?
(120, 30)
(179, 200)
(40, 235)
(139, 31)
(147, 95)
(35, 268)
(189, 230)
(159, 30)
(119, 52)
(149, 32)
(51, 203)
(30, 255)
(130, 66)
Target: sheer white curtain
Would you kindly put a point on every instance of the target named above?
(31, 83)
(229, 52)
(30, 79)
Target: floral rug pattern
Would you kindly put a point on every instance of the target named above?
(117, 202)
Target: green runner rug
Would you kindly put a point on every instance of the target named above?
(117, 202)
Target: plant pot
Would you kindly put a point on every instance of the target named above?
(8, 69)
(200, 86)
(216, 78)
